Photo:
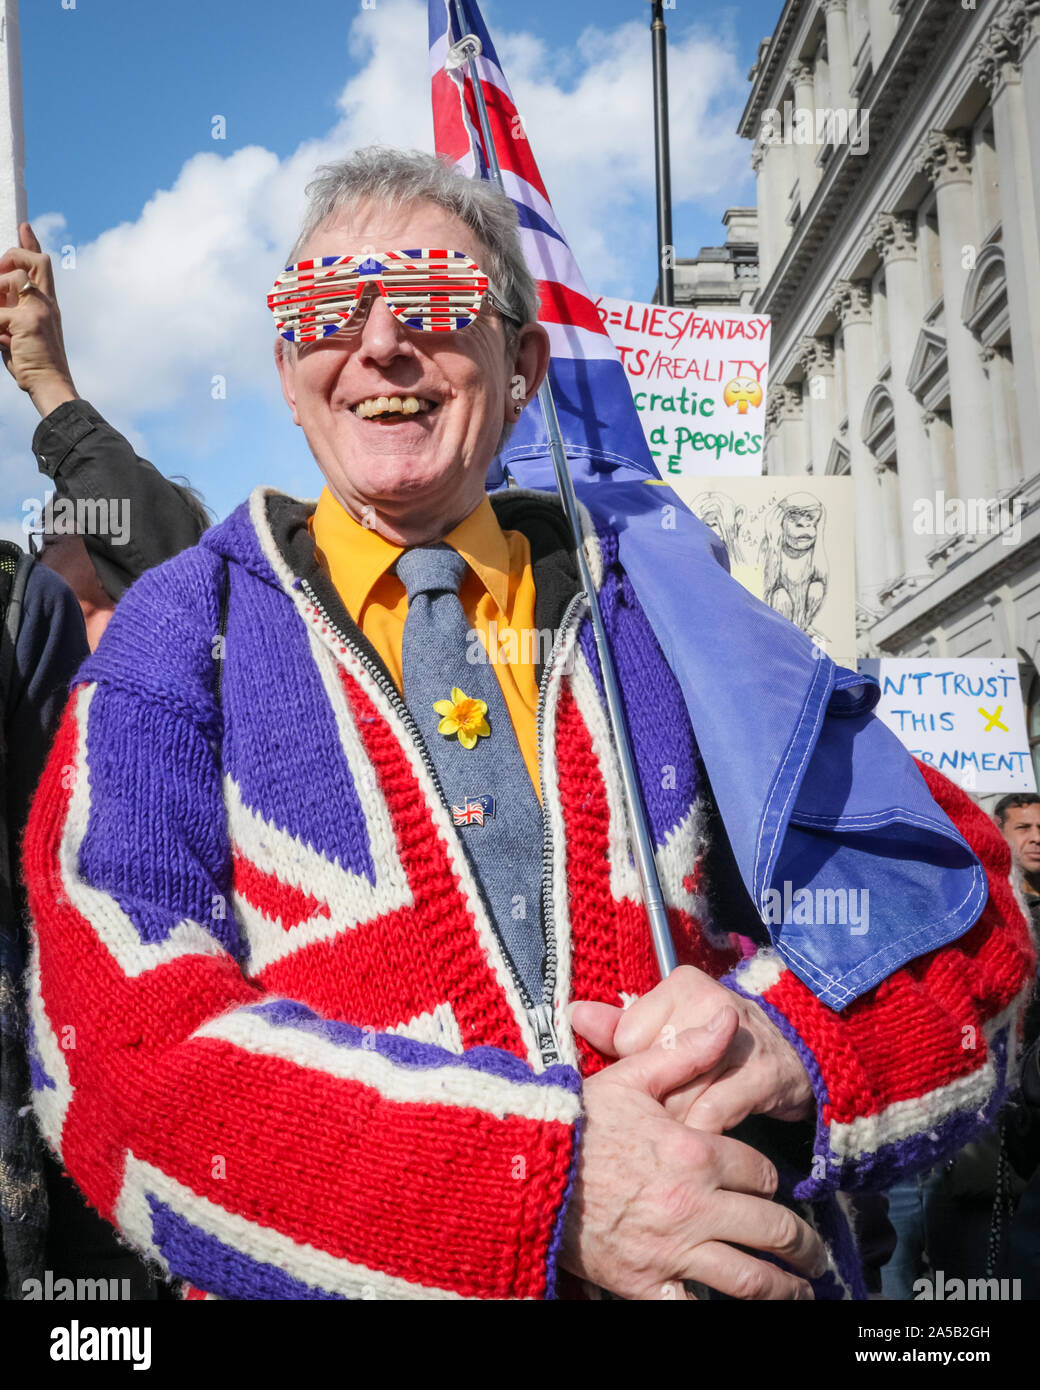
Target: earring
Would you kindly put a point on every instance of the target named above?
(517, 408)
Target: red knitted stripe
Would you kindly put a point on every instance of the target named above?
(611, 943)
(87, 992)
(275, 899)
(407, 961)
(913, 1033)
(374, 975)
(437, 1195)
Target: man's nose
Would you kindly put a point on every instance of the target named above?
(382, 333)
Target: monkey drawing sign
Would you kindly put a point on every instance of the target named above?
(790, 543)
(698, 378)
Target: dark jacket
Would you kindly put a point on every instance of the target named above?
(86, 458)
(51, 643)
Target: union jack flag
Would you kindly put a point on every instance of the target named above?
(598, 418)
(473, 810)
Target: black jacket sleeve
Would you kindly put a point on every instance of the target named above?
(86, 458)
(51, 645)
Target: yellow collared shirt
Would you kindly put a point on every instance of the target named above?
(497, 596)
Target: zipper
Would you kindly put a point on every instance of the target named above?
(539, 1014)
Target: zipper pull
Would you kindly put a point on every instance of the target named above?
(548, 1044)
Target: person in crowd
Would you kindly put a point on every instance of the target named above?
(1018, 816)
(347, 919)
(125, 518)
(112, 515)
(42, 643)
(960, 1216)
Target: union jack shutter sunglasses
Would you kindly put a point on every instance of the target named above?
(434, 291)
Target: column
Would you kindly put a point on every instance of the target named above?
(784, 426)
(888, 484)
(946, 161)
(940, 453)
(1005, 442)
(800, 75)
(895, 239)
(997, 65)
(758, 164)
(12, 128)
(822, 77)
(850, 301)
(816, 356)
(1023, 26)
(773, 463)
(882, 27)
(839, 64)
(792, 427)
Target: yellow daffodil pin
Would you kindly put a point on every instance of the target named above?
(463, 716)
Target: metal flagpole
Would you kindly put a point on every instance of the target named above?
(12, 129)
(468, 50)
(659, 46)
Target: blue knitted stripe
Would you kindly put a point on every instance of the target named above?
(304, 786)
(402, 1051)
(658, 721)
(220, 1269)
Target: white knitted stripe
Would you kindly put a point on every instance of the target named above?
(351, 898)
(677, 859)
(446, 831)
(906, 1118)
(439, 1027)
(313, 1267)
(108, 920)
(50, 1104)
(399, 1083)
(760, 972)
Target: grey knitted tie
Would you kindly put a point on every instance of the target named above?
(489, 782)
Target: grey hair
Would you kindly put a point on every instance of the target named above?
(396, 178)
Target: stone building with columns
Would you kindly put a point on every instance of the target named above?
(899, 257)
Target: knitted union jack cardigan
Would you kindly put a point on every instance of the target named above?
(275, 1038)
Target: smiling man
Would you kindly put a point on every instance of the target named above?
(343, 920)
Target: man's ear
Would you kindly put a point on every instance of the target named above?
(285, 361)
(530, 364)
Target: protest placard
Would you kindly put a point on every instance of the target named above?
(964, 716)
(790, 543)
(698, 378)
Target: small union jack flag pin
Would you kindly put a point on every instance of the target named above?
(473, 810)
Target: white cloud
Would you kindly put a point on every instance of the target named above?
(156, 307)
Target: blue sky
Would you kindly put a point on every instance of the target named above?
(177, 236)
